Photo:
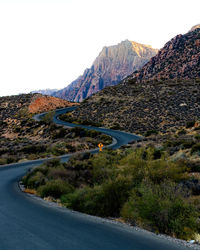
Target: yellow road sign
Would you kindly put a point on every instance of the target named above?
(100, 145)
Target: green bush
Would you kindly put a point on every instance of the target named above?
(34, 181)
(190, 124)
(48, 117)
(163, 208)
(115, 126)
(33, 149)
(151, 132)
(195, 148)
(58, 133)
(54, 188)
(187, 144)
(52, 163)
(103, 200)
(3, 161)
(182, 132)
(140, 164)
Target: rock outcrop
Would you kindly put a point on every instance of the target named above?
(46, 103)
(195, 27)
(178, 59)
(112, 65)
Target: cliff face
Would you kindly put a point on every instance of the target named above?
(179, 58)
(112, 65)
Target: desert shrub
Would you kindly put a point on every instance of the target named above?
(115, 126)
(156, 153)
(190, 124)
(57, 173)
(52, 163)
(105, 138)
(79, 131)
(193, 166)
(58, 149)
(162, 208)
(103, 200)
(70, 147)
(48, 117)
(84, 132)
(52, 127)
(195, 148)
(3, 161)
(150, 132)
(58, 133)
(33, 149)
(197, 136)
(34, 181)
(140, 164)
(182, 132)
(104, 166)
(54, 188)
(93, 133)
(173, 143)
(187, 144)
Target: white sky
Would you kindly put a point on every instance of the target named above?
(48, 44)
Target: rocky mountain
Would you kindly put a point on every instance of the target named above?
(179, 58)
(112, 65)
(195, 27)
(163, 95)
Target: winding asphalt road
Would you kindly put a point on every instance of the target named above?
(29, 223)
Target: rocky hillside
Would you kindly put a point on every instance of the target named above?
(112, 65)
(195, 27)
(140, 107)
(16, 110)
(179, 58)
(22, 138)
(46, 103)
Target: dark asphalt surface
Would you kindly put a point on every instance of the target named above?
(29, 223)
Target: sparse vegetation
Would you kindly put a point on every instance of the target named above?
(146, 106)
(69, 118)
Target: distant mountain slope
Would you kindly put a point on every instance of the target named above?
(179, 58)
(44, 91)
(112, 65)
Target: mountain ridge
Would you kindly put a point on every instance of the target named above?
(178, 59)
(163, 95)
(111, 65)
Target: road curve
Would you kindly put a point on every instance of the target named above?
(28, 223)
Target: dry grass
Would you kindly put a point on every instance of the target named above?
(29, 191)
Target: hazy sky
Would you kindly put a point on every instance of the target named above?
(48, 44)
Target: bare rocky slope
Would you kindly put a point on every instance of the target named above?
(179, 58)
(112, 65)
